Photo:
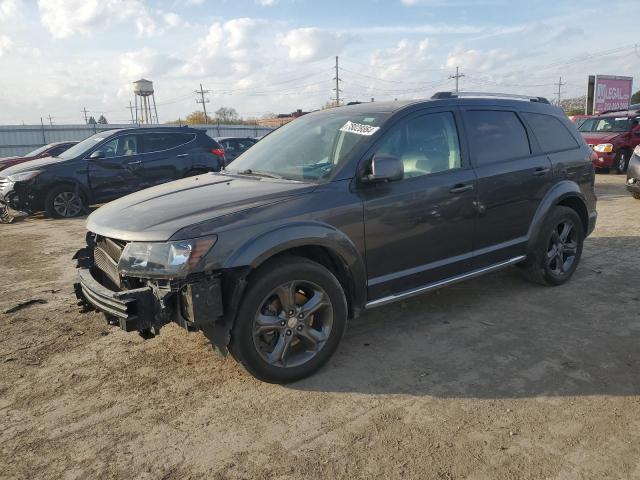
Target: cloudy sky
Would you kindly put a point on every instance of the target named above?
(259, 56)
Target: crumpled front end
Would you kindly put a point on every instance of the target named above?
(144, 304)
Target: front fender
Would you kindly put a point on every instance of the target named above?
(554, 196)
(260, 248)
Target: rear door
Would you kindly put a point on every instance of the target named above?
(513, 177)
(419, 230)
(119, 172)
(166, 156)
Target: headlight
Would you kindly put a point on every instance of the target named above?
(636, 151)
(23, 176)
(603, 148)
(163, 259)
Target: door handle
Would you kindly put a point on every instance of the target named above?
(461, 187)
(182, 155)
(134, 163)
(538, 172)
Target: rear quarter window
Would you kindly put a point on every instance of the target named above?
(496, 136)
(551, 133)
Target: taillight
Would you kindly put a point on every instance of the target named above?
(218, 151)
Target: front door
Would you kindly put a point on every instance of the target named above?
(513, 177)
(119, 172)
(419, 230)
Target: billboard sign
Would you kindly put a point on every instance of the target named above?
(611, 93)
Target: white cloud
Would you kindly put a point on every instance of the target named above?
(478, 60)
(5, 45)
(310, 44)
(267, 3)
(147, 63)
(8, 9)
(64, 18)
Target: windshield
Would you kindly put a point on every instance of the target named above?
(83, 146)
(309, 148)
(606, 124)
(37, 151)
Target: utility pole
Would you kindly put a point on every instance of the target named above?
(50, 120)
(203, 101)
(131, 110)
(559, 85)
(338, 80)
(457, 76)
(86, 120)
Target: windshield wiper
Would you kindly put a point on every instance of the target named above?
(258, 173)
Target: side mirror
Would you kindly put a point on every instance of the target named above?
(97, 155)
(385, 168)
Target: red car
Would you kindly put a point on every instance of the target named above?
(612, 137)
(50, 150)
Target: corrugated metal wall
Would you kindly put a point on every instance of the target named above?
(21, 139)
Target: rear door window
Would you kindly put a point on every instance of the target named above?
(552, 135)
(496, 136)
(156, 142)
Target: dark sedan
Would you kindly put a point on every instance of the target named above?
(50, 150)
(107, 166)
(235, 146)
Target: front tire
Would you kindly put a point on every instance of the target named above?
(64, 201)
(558, 249)
(290, 320)
(620, 163)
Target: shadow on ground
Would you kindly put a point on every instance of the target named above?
(500, 336)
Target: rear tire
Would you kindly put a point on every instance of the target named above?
(558, 249)
(290, 320)
(64, 201)
(636, 196)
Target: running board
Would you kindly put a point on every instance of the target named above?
(442, 283)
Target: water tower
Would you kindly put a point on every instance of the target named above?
(144, 89)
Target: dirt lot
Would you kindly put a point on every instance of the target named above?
(489, 379)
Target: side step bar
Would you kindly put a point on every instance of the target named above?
(442, 283)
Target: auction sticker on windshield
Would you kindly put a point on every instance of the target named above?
(359, 129)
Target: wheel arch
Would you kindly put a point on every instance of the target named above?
(565, 193)
(82, 189)
(316, 241)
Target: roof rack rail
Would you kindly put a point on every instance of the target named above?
(442, 95)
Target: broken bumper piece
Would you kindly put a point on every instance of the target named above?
(193, 306)
(133, 309)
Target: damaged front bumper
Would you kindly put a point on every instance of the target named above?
(193, 303)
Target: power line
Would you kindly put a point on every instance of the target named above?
(559, 85)
(203, 102)
(457, 76)
(338, 80)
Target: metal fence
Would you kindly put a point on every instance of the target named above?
(21, 139)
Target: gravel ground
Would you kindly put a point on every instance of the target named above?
(494, 378)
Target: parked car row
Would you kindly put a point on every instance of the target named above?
(63, 179)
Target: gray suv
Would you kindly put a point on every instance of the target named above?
(341, 211)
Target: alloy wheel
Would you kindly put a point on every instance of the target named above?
(562, 248)
(293, 324)
(67, 204)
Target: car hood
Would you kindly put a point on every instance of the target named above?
(594, 138)
(31, 165)
(156, 213)
(6, 162)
